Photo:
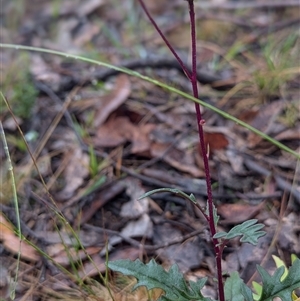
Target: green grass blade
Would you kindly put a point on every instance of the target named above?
(160, 84)
(15, 200)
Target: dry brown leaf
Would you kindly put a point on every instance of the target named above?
(237, 213)
(114, 132)
(88, 6)
(215, 141)
(288, 238)
(140, 140)
(63, 257)
(42, 72)
(263, 121)
(289, 134)
(120, 130)
(181, 160)
(113, 100)
(157, 7)
(13, 243)
(97, 265)
(76, 171)
(86, 34)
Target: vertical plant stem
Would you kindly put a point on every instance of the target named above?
(17, 211)
(200, 122)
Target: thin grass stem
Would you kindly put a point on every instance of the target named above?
(16, 204)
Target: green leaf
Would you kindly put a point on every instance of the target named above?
(233, 288)
(246, 291)
(153, 276)
(258, 288)
(272, 286)
(280, 263)
(249, 231)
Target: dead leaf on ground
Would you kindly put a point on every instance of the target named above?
(86, 34)
(135, 207)
(89, 6)
(181, 160)
(143, 227)
(289, 235)
(113, 100)
(187, 255)
(238, 213)
(98, 264)
(264, 121)
(42, 72)
(119, 130)
(77, 169)
(87, 239)
(64, 257)
(289, 134)
(13, 243)
(216, 141)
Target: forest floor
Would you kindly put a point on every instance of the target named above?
(97, 140)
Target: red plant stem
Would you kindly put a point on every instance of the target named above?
(200, 122)
(193, 79)
(165, 39)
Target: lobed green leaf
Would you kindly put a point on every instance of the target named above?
(249, 231)
(152, 276)
(272, 286)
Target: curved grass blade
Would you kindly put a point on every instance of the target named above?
(160, 84)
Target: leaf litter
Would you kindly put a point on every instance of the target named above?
(139, 131)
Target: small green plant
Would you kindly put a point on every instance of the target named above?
(172, 282)
(22, 93)
(280, 63)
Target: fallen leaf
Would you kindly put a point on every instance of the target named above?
(263, 121)
(288, 238)
(77, 169)
(134, 208)
(42, 72)
(114, 132)
(143, 227)
(86, 34)
(14, 244)
(89, 6)
(98, 264)
(237, 213)
(215, 141)
(113, 100)
(181, 160)
(187, 255)
(65, 258)
(119, 130)
(289, 134)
